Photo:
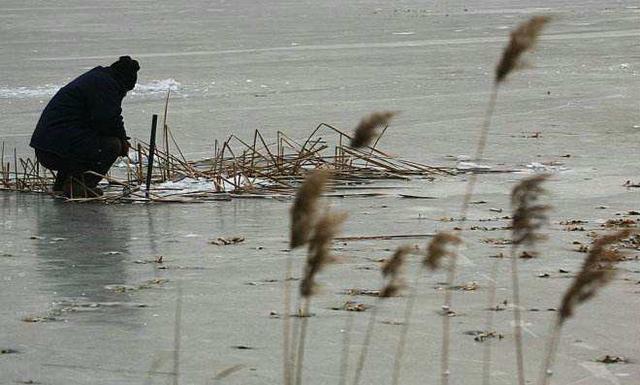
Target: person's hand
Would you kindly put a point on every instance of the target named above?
(125, 147)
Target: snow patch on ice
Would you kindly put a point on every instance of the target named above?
(471, 166)
(133, 160)
(156, 87)
(186, 185)
(536, 167)
(189, 185)
(46, 90)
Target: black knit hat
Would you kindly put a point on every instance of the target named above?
(126, 70)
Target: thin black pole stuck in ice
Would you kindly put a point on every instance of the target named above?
(152, 150)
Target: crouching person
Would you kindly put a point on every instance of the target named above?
(81, 130)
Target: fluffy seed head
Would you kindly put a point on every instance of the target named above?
(522, 39)
(529, 216)
(440, 247)
(392, 271)
(368, 126)
(597, 270)
(319, 255)
(303, 212)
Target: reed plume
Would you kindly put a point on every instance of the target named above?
(522, 39)
(392, 271)
(303, 218)
(368, 126)
(318, 257)
(441, 246)
(528, 218)
(303, 212)
(597, 270)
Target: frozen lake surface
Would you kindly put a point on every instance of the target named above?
(106, 309)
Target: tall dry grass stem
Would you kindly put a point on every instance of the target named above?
(286, 323)
(439, 247)
(318, 257)
(489, 321)
(304, 210)
(528, 218)
(346, 345)
(446, 321)
(303, 214)
(598, 269)
(522, 39)
(177, 329)
(392, 273)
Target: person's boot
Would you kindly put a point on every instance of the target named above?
(59, 183)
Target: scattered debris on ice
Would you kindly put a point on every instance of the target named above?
(220, 241)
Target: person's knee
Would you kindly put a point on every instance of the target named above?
(49, 160)
(111, 147)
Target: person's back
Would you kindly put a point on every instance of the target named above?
(81, 129)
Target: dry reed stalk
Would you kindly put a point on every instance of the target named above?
(319, 256)
(598, 269)
(165, 135)
(522, 39)
(488, 325)
(439, 247)
(528, 218)
(304, 208)
(437, 252)
(286, 320)
(15, 171)
(365, 343)
(346, 345)
(156, 363)
(177, 328)
(303, 219)
(366, 130)
(392, 271)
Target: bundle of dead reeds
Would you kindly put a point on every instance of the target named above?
(259, 169)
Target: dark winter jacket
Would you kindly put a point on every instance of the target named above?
(88, 107)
